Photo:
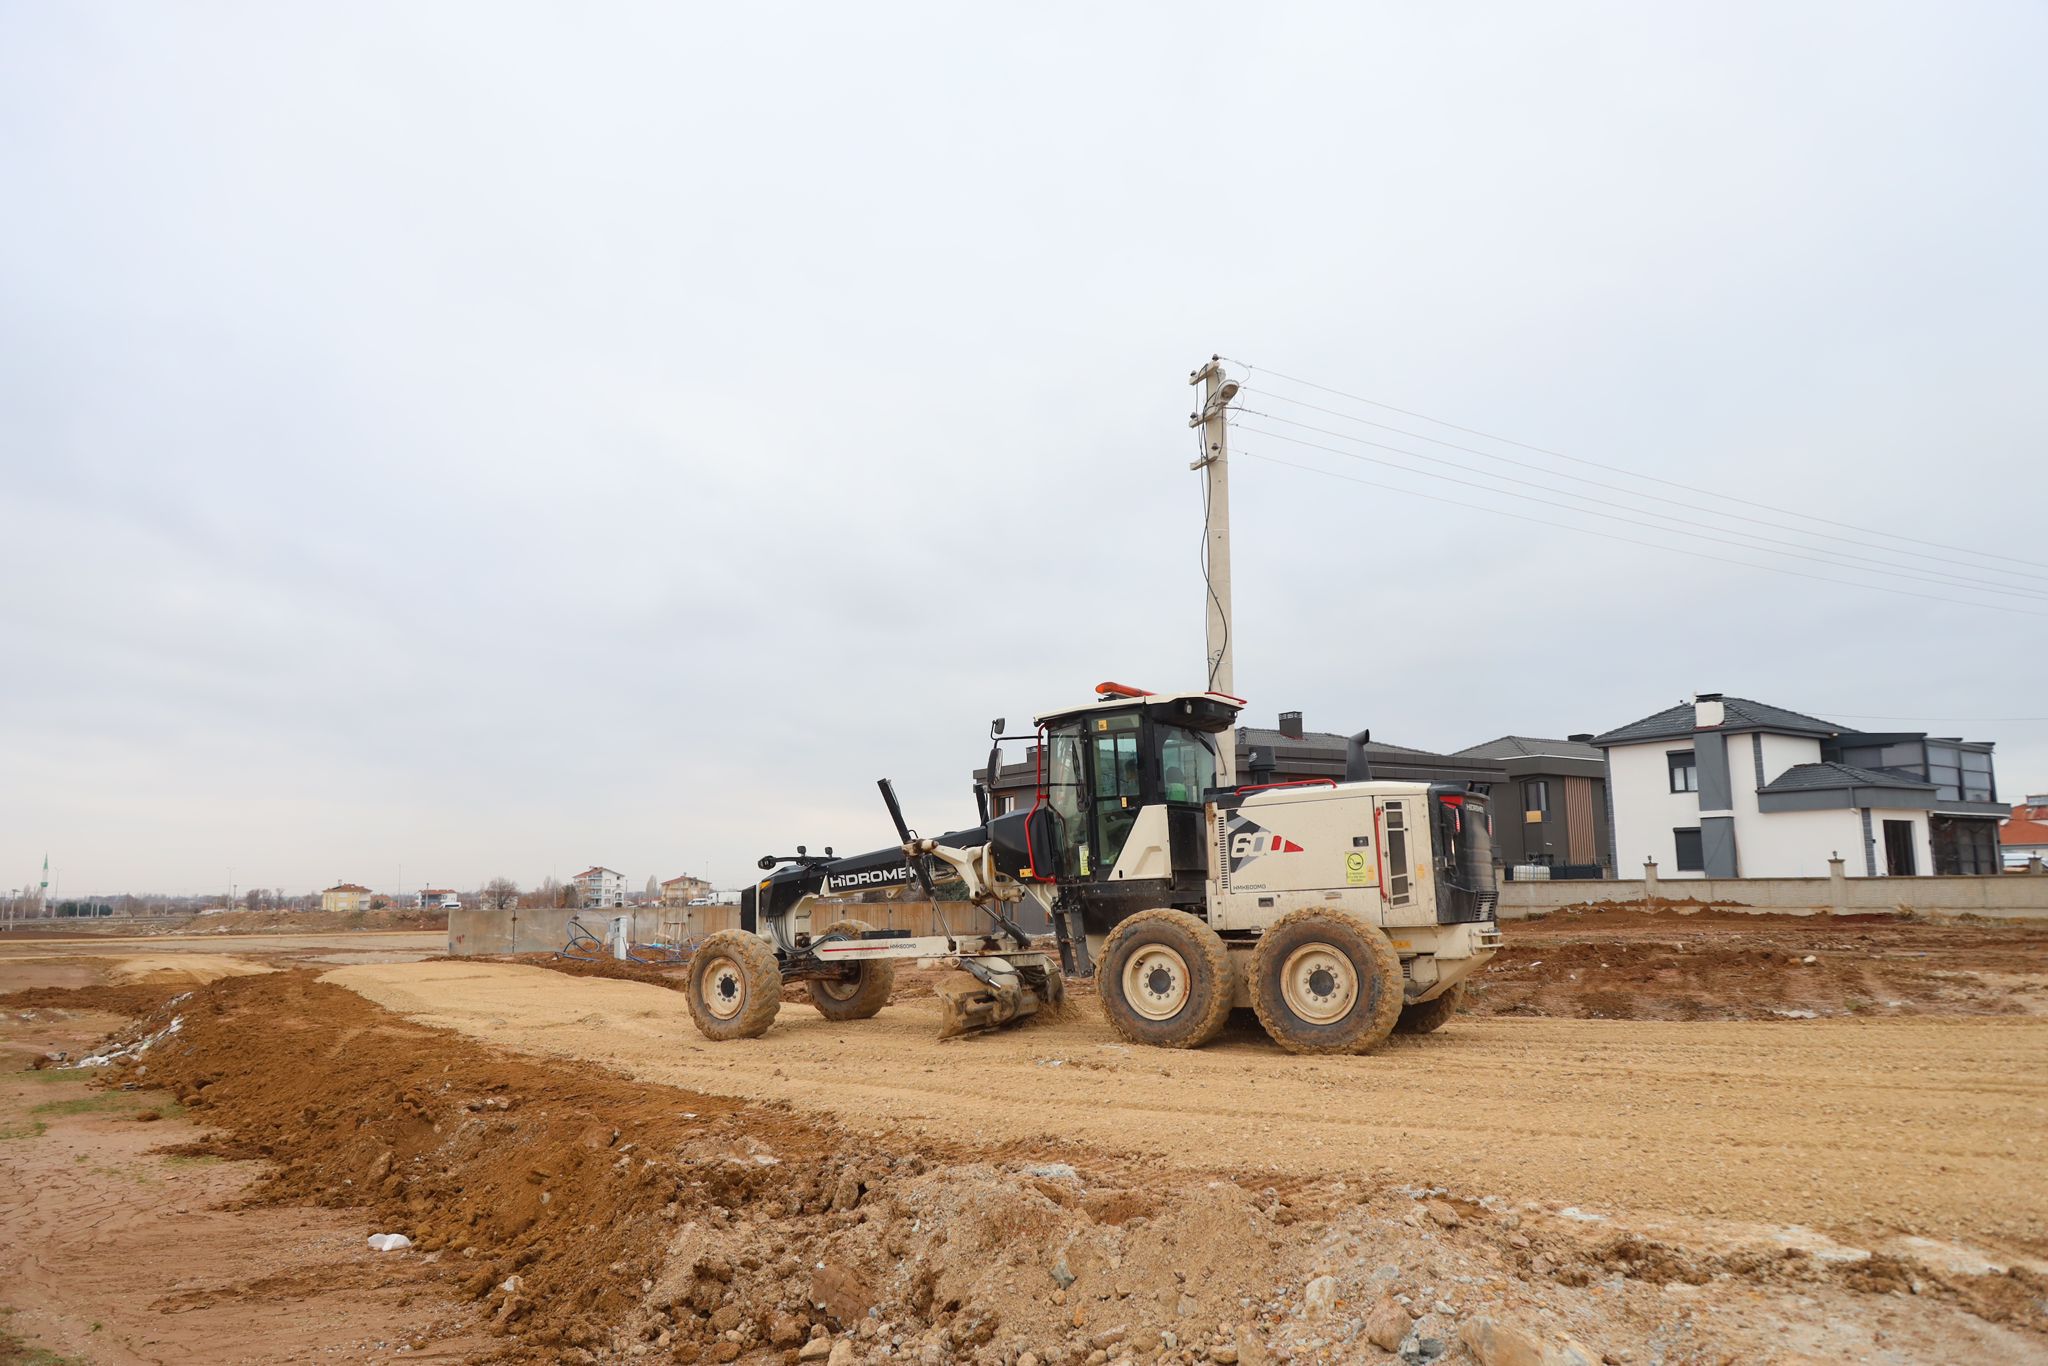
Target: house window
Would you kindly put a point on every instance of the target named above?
(1009, 804)
(1536, 796)
(1977, 783)
(1964, 847)
(1898, 849)
(1685, 771)
(1691, 858)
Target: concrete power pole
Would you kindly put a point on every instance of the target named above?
(1217, 392)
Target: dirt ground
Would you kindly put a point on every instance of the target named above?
(1650, 1115)
(117, 1250)
(587, 1179)
(226, 922)
(362, 946)
(1626, 965)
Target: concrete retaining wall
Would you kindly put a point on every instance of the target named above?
(544, 931)
(2010, 897)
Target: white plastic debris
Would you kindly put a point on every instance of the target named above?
(389, 1242)
(135, 1049)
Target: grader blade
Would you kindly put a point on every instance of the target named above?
(970, 1002)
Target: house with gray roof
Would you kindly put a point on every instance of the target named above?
(1550, 808)
(1730, 787)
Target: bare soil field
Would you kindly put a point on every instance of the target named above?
(1721, 965)
(225, 922)
(1698, 1119)
(126, 1243)
(587, 1179)
(389, 946)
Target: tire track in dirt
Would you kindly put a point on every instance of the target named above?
(1923, 1125)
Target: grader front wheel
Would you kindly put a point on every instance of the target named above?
(861, 995)
(735, 986)
(1165, 980)
(1325, 982)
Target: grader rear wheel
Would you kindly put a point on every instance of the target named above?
(1325, 982)
(1429, 1016)
(860, 997)
(735, 986)
(1165, 980)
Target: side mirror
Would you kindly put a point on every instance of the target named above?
(995, 727)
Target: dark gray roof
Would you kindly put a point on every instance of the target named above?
(1323, 739)
(1742, 714)
(1528, 746)
(1809, 777)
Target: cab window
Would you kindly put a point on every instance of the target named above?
(1187, 763)
(1117, 798)
(1064, 793)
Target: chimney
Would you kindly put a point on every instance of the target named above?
(1707, 711)
(1584, 737)
(1290, 724)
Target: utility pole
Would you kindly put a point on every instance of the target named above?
(1217, 392)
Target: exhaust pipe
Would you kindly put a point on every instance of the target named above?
(1357, 764)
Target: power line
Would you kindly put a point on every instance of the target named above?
(1823, 555)
(1635, 520)
(1630, 540)
(1603, 484)
(1633, 474)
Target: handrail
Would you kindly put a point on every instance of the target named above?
(1296, 782)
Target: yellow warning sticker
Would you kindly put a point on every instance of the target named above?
(1357, 869)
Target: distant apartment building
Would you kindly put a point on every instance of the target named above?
(600, 887)
(437, 899)
(681, 891)
(345, 897)
(2023, 837)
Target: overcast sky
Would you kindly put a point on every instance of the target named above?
(442, 441)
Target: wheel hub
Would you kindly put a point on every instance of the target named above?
(1155, 981)
(1318, 983)
(728, 990)
(840, 988)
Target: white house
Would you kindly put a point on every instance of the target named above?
(1727, 787)
(600, 887)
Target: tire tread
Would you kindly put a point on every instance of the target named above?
(1210, 957)
(1386, 966)
(878, 980)
(764, 985)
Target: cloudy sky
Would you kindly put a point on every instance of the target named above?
(457, 440)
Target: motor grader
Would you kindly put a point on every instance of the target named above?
(1337, 911)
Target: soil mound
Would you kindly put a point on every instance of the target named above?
(133, 998)
(1619, 964)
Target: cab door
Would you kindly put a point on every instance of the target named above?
(1117, 787)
